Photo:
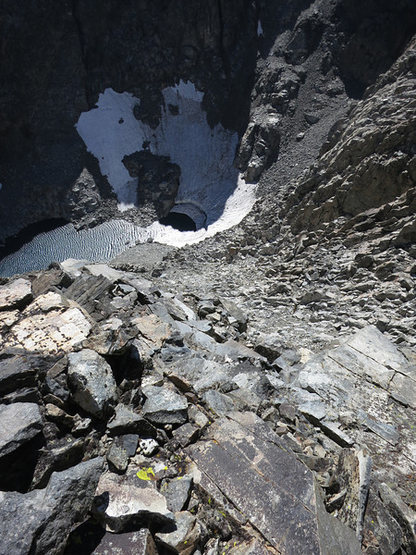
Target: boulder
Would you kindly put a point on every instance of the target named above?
(20, 422)
(127, 421)
(123, 500)
(93, 385)
(164, 406)
(41, 520)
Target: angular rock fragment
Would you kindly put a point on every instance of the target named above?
(19, 423)
(92, 381)
(164, 406)
(185, 535)
(123, 500)
(177, 492)
(127, 421)
(41, 520)
(16, 294)
(276, 492)
(16, 372)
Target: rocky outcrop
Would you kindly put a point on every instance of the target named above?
(366, 174)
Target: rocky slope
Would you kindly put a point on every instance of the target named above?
(254, 393)
(145, 420)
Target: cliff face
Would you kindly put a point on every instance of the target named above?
(270, 70)
(56, 59)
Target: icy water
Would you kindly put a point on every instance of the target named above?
(100, 243)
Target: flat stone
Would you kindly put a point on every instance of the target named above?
(16, 294)
(19, 423)
(314, 411)
(386, 431)
(58, 330)
(373, 344)
(177, 492)
(91, 377)
(122, 500)
(127, 421)
(105, 271)
(41, 520)
(264, 481)
(164, 406)
(130, 543)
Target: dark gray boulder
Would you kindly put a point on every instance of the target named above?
(40, 521)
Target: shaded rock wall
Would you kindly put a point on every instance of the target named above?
(57, 58)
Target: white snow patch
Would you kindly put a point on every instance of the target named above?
(205, 155)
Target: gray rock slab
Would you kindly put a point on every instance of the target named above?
(373, 344)
(269, 485)
(403, 389)
(177, 492)
(142, 257)
(164, 406)
(16, 294)
(127, 421)
(41, 520)
(92, 381)
(19, 422)
(122, 500)
(130, 543)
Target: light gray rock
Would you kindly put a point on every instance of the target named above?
(41, 520)
(127, 421)
(19, 422)
(16, 294)
(164, 406)
(121, 500)
(91, 378)
(177, 492)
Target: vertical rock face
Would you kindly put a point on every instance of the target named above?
(140, 47)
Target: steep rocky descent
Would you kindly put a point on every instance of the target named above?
(190, 419)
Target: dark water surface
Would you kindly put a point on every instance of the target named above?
(98, 244)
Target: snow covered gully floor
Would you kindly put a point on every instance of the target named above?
(211, 191)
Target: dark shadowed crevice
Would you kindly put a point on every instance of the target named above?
(182, 222)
